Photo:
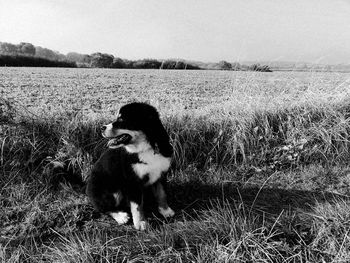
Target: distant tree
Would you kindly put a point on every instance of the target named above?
(139, 64)
(32, 61)
(147, 63)
(99, 60)
(180, 65)
(152, 63)
(168, 64)
(172, 64)
(8, 49)
(82, 60)
(26, 49)
(128, 63)
(118, 63)
(49, 54)
(86, 59)
(225, 65)
(74, 56)
(236, 66)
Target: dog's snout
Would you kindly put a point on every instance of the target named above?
(104, 127)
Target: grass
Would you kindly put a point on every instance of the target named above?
(254, 179)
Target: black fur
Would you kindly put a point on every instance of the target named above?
(113, 172)
(144, 117)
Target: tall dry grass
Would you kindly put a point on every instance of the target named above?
(250, 138)
(265, 139)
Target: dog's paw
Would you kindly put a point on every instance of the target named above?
(140, 225)
(167, 212)
(121, 217)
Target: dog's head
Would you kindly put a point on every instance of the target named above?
(137, 125)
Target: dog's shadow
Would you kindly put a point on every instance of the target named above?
(193, 197)
(290, 212)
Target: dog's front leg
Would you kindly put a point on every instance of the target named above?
(163, 207)
(138, 217)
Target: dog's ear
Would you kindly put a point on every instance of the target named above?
(156, 132)
(163, 141)
(158, 137)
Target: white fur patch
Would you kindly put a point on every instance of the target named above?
(118, 197)
(153, 165)
(108, 132)
(121, 217)
(168, 212)
(137, 217)
(140, 145)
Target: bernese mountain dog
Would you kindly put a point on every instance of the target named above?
(138, 156)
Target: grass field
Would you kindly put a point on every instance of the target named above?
(260, 171)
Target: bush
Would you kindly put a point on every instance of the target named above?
(224, 65)
(118, 63)
(147, 64)
(99, 60)
(29, 61)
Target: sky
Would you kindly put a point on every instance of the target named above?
(202, 30)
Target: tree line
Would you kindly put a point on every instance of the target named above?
(26, 54)
(26, 61)
(103, 60)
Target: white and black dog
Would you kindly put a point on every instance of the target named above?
(138, 156)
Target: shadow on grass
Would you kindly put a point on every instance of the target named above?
(189, 200)
(196, 196)
(289, 212)
(193, 197)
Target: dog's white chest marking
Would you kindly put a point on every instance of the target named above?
(152, 164)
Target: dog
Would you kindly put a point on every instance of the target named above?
(138, 156)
